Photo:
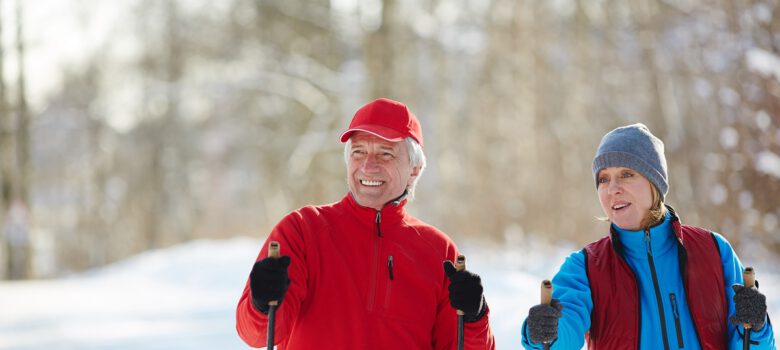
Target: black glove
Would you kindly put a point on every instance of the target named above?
(750, 307)
(542, 322)
(465, 292)
(269, 281)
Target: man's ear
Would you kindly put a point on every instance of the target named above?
(413, 175)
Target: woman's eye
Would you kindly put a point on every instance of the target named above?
(628, 174)
(603, 180)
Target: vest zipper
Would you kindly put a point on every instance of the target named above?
(676, 313)
(657, 289)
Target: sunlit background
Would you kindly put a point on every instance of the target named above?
(144, 124)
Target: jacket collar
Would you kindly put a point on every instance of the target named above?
(663, 237)
(393, 211)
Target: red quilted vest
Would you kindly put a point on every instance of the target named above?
(614, 288)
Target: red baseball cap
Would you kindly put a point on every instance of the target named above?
(385, 118)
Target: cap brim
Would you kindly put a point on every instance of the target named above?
(376, 130)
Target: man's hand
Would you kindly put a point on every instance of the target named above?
(465, 292)
(542, 322)
(750, 307)
(269, 281)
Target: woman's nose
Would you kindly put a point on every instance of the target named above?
(614, 187)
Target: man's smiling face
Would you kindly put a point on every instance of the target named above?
(378, 170)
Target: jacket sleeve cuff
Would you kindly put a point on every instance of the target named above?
(262, 308)
(527, 341)
(480, 314)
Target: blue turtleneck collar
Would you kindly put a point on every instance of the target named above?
(661, 239)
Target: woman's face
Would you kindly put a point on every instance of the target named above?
(625, 196)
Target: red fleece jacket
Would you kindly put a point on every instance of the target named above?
(345, 294)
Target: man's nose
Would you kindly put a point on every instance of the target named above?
(370, 164)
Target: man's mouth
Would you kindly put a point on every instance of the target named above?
(371, 183)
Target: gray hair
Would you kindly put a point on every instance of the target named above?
(416, 158)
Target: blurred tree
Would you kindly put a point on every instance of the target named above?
(15, 172)
(236, 108)
(7, 156)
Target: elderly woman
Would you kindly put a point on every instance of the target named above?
(652, 282)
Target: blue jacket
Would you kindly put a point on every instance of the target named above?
(571, 287)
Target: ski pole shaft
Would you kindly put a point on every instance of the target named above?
(273, 252)
(749, 275)
(546, 299)
(460, 265)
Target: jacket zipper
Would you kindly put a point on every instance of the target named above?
(676, 313)
(657, 290)
(372, 287)
(378, 221)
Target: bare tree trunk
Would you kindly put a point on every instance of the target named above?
(18, 230)
(7, 160)
(177, 223)
(380, 53)
(23, 126)
(6, 136)
(163, 220)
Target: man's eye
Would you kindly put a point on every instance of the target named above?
(603, 180)
(628, 174)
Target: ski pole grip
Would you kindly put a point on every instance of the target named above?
(460, 265)
(546, 299)
(749, 275)
(273, 252)
(546, 292)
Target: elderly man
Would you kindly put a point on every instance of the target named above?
(362, 273)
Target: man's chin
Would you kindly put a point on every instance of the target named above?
(367, 200)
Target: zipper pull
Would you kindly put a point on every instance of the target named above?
(390, 266)
(675, 312)
(378, 220)
(647, 242)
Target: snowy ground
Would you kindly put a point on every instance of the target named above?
(184, 298)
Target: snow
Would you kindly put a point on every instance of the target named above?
(185, 297)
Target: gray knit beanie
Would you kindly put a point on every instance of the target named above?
(634, 147)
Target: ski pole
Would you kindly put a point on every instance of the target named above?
(750, 280)
(546, 300)
(460, 265)
(273, 252)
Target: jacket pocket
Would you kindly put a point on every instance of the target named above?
(409, 295)
(677, 326)
(389, 289)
